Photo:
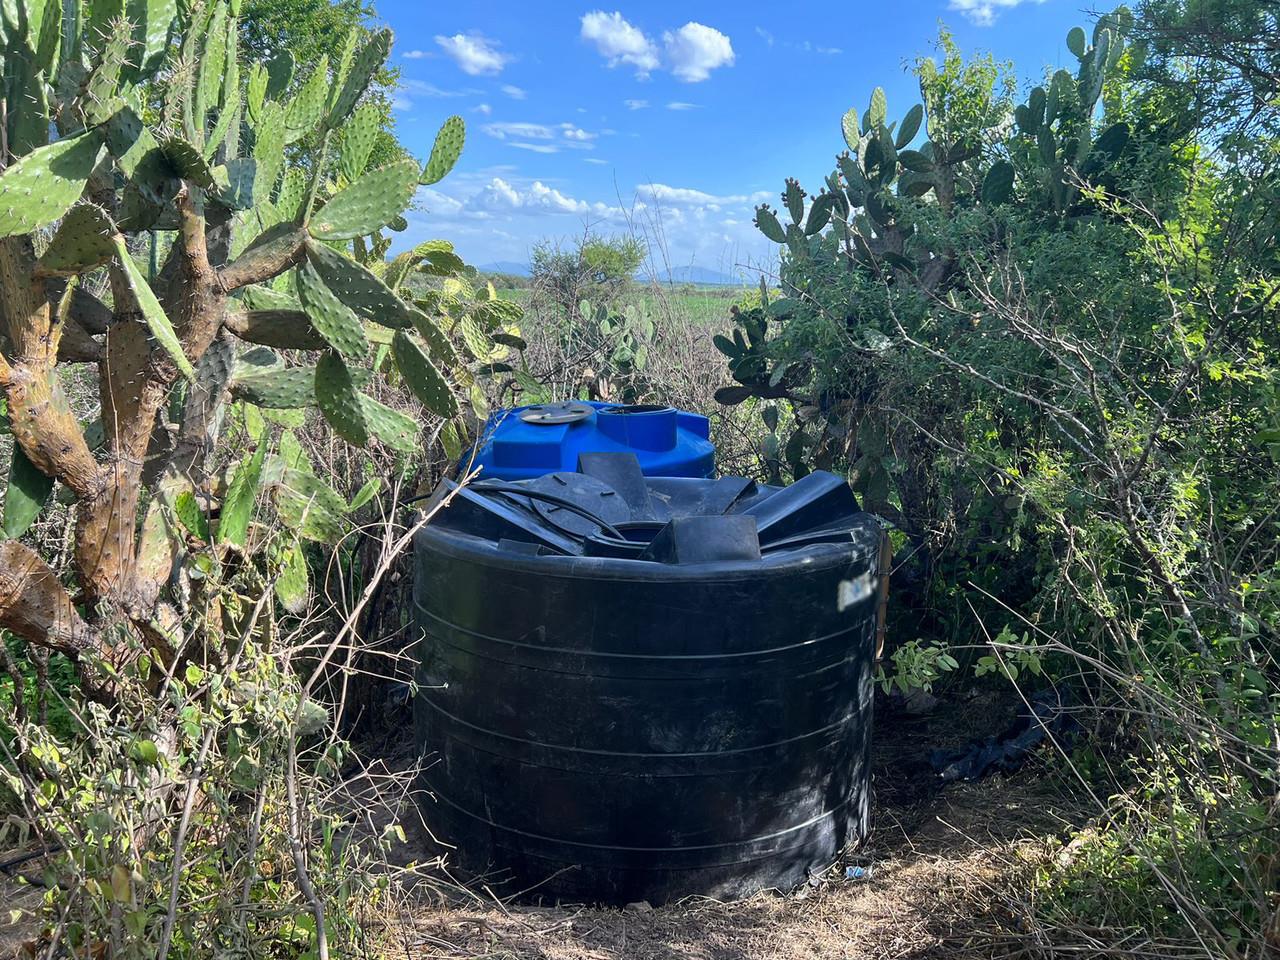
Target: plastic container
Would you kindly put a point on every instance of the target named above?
(527, 442)
(672, 698)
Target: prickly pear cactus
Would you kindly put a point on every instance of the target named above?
(138, 144)
(882, 227)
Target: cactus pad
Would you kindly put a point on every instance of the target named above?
(258, 297)
(442, 263)
(366, 295)
(233, 183)
(437, 342)
(43, 185)
(293, 191)
(363, 68)
(187, 161)
(391, 427)
(256, 92)
(876, 111)
(331, 317)
(268, 149)
(445, 151)
(849, 127)
(495, 313)
(997, 186)
(83, 241)
(369, 203)
(422, 377)
(910, 126)
(358, 138)
(277, 389)
(767, 223)
(399, 268)
(28, 492)
(309, 505)
(339, 400)
(307, 107)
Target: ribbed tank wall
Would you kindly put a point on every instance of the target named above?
(609, 733)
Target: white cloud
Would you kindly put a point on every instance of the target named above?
(636, 104)
(661, 193)
(595, 160)
(808, 47)
(483, 109)
(524, 131)
(512, 91)
(411, 90)
(983, 12)
(473, 53)
(520, 134)
(415, 54)
(418, 88)
(494, 213)
(619, 41)
(681, 105)
(765, 35)
(695, 50)
(439, 204)
(500, 195)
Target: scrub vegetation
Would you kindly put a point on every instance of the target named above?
(1036, 328)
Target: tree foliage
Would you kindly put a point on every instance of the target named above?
(1041, 336)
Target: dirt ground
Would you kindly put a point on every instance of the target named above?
(947, 867)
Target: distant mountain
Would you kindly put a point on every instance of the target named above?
(701, 276)
(511, 267)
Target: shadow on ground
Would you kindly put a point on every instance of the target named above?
(944, 863)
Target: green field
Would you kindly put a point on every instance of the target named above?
(697, 304)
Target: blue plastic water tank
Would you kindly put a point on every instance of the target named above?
(527, 442)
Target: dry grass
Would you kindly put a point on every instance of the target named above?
(947, 868)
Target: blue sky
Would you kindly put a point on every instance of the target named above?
(669, 119)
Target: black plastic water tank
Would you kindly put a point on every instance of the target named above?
(640, 689)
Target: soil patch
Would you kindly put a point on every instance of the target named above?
(946, 865)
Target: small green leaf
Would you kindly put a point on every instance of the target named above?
(146, 751)
(242, 494)
(28, 492)
(191, 516)
(365, 494)
(154, 315)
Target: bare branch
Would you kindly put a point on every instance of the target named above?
(270, 255)
(286, 329)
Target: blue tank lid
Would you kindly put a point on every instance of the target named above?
(526, 442)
